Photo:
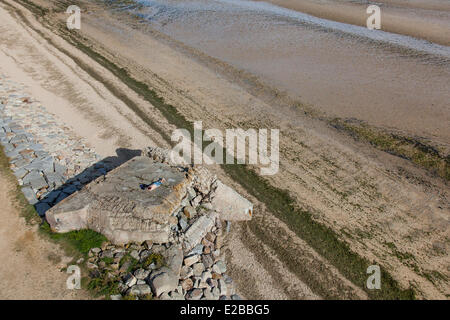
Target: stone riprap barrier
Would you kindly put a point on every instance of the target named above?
(183, 259)
(44, 156)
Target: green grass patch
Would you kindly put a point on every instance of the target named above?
(103, 284)
(132, 262)
(107, 260)
(81, 241)
(402, 256)
(155, 258)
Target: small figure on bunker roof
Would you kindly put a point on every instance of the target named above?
(153, 185)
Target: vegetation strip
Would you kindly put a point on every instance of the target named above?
(278, 201)
(419, 153)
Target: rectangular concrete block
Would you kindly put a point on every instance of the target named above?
(198, 230)
(230, 204)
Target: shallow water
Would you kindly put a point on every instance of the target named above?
(387, 79)
(215, 17)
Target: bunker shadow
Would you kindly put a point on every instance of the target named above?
(77, 182)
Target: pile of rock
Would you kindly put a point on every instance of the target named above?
(165, 272)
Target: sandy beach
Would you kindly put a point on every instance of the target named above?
(268, 70)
